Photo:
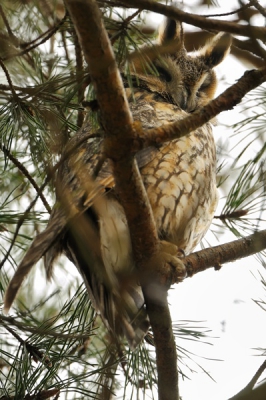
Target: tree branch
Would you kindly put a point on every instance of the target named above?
(119, 127)
(42, 395)
(248, 393)
(25, 172)
(226, 101)
(197, 20)
(228, 252)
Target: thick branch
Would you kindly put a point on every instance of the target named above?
(119, 128)
(197, 20)
(229, 252)
(226, 101)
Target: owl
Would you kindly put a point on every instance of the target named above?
(88, 223)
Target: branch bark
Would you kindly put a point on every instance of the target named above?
(224, 102)
(119, 128)
(248, 393)
(228, 252)
(197, 20)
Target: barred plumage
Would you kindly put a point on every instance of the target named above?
(88, 223)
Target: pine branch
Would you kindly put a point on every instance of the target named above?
(40, 330)
(25, 172)
(68, 151)
(79, 77)
(42, 395)
(27, 47)
(35, 353)
(228, 252)
(224, 102)
(119, 127)
(259, 7)
(8, 28)
(237, 11)
(8, 78)
(247, 393)
(197, 20)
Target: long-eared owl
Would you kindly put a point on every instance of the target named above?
(88, 223)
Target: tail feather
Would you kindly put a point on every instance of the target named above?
(95, 237)
(113, 290)
(41, 244)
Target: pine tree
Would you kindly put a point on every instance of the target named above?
(53, 343)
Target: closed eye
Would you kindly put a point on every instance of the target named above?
(206, 83)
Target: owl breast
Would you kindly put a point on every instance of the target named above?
(180, 180)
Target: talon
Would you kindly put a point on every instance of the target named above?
(169, 253)
(181, 253)
(168, 247)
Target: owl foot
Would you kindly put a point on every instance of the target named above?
(170, 254)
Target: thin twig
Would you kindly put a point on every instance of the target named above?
(10, 33)
(63, 38)
(232, 215)
(41, 395)
(37, 42)
(79, 76)
(247, 391)
(49, 176)
(47, 34)
(197, 20)
(8, 77)
(244, 7)
(43, 330)
(27, 175)
(124, 25)
(36, 354)
(130, 17)
(254, 42)
(259, 7)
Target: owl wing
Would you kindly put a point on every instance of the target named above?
(79, 200)
(41, 244)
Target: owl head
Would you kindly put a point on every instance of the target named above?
(184, 79)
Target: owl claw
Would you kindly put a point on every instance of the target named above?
(170, 254)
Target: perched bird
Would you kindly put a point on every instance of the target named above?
(88, 223)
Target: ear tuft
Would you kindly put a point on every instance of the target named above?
(170, 30)
(216, 50)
